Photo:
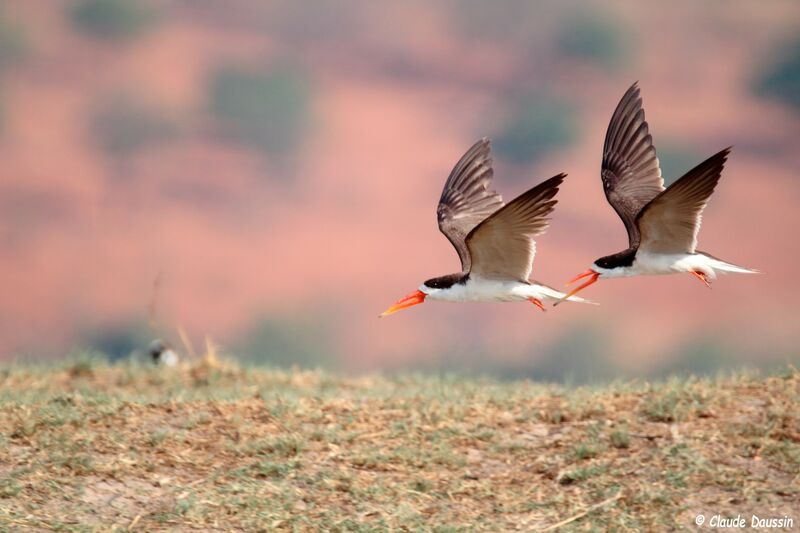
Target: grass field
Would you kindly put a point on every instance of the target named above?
(213, 447)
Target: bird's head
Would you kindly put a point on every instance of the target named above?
(431, 288)
(613, 266)
(610, 266)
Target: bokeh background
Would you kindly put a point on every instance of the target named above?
(277, 165)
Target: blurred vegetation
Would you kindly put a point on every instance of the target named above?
(115, 20)
(287, 343)
(13, 43)
(13, 49)
(579, 356)
(585, 34)
(533, 126)
(576, 358)
(123, 124)
(507, 22)
(116, 341)
(676, 159)
(312, 22)
(703, 356)
(781, 80)
(265, 109)
(593, 37)
(583, 356)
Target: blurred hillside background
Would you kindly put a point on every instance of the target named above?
(279, 164)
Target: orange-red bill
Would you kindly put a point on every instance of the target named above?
(594, 276)
(416, 297)
(581, 276)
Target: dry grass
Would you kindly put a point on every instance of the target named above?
(91, 447)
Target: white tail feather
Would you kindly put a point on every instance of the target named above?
(722, 266)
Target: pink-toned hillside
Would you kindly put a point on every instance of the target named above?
(347, 225)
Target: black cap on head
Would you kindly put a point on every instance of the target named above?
(445, 282)
(618, 260)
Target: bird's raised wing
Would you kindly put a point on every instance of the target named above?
(630, 171)
(468, 198)
(671, 221)
(502, 246)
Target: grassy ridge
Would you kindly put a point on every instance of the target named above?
(214, 447)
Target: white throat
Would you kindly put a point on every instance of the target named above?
(618, 272)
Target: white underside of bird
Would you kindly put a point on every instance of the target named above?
(655, 264)
(478, 289)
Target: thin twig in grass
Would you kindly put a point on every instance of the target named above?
(645, 436)
(153, 307)
(135, 521)
(186, 343)
(418, 493)
(578, 516)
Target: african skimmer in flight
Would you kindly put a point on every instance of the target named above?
(494, 241)
(662, 223)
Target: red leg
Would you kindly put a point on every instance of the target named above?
(537, 303)
(702, 277)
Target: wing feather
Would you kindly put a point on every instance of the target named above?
(468, 198)
(630, 171)
(671, 221)
(502, 246)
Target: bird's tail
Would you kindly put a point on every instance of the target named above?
(724, 266)
(555, 295)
